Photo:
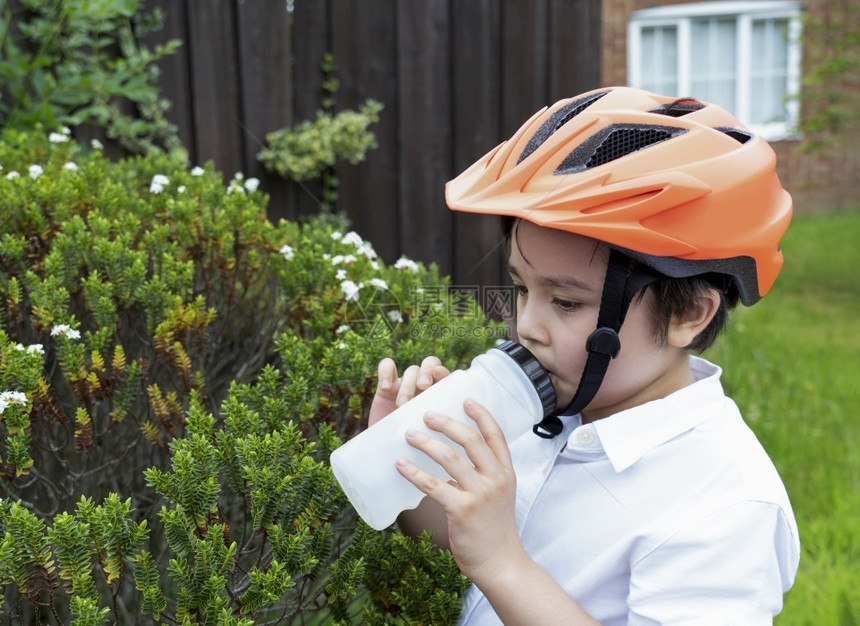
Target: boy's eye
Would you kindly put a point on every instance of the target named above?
(521, 290)
(566, 305)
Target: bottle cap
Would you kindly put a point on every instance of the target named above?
(535, 372)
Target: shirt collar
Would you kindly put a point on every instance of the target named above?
(626, 436)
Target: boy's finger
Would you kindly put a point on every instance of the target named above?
(485, 446)
(439, 372)
(387, 377)
(408, 385)
(426, 373)
(437, 489)
(457, 466)
(490, 430)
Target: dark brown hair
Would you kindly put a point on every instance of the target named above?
(676, 298)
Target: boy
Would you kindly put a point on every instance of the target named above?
(634, 223)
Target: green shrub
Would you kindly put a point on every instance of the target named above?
(72, 62)
(175, 371)
(306, 151)
(311, 149)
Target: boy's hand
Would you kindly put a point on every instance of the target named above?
(479, 501)
(391, 391)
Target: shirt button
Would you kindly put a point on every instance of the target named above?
(585, 435)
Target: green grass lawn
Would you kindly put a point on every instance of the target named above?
(792, 363)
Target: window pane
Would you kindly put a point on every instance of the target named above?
(769, 71)
(659, 59)
(713, 63)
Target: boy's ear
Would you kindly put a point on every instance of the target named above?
(682, 331)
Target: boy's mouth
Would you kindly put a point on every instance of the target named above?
(561, 398)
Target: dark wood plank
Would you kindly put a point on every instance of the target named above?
(365, 51)
(311, 40)
(525, 86)
(574, 38)
(476, 49)
(265, 56)
(424, 101)
(215, 84)
(175, 70)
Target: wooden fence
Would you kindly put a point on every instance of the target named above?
(455, 77)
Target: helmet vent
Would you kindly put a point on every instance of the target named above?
(678, 108)
(737, 134)
(614, 142)
(557, 120)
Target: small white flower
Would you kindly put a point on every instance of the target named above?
(252, 184)
(363, 246)
(350, 290)
(406, 264)
(58, 138)
(336, 235)
(395, 316)
(35, 171)
(340, 274)
(340, 258)
(35, 348)
(197, 171)
(96, 144)
(235, 185)
(181, 189)
(159, 181)
(374, 265)
(64, 330)
(353, 238)
(287, 252)
(72, 167)
(342, 329)
(379, 283)
(12, 397)
(326, 256)
(12, 174)
(342, 345)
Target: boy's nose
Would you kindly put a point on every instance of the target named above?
(530, 324)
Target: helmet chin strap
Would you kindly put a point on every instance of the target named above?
(624, 279)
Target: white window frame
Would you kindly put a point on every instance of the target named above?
(681, 15)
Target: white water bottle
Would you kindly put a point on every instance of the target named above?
(507, 379)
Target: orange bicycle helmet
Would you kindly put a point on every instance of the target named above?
(679, 186)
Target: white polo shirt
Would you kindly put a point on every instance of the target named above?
(667, 513)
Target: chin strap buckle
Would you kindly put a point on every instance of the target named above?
(548, 428)
(604, 340)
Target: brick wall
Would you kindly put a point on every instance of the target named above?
(820, 180)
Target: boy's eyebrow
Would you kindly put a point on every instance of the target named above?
(565, 282)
